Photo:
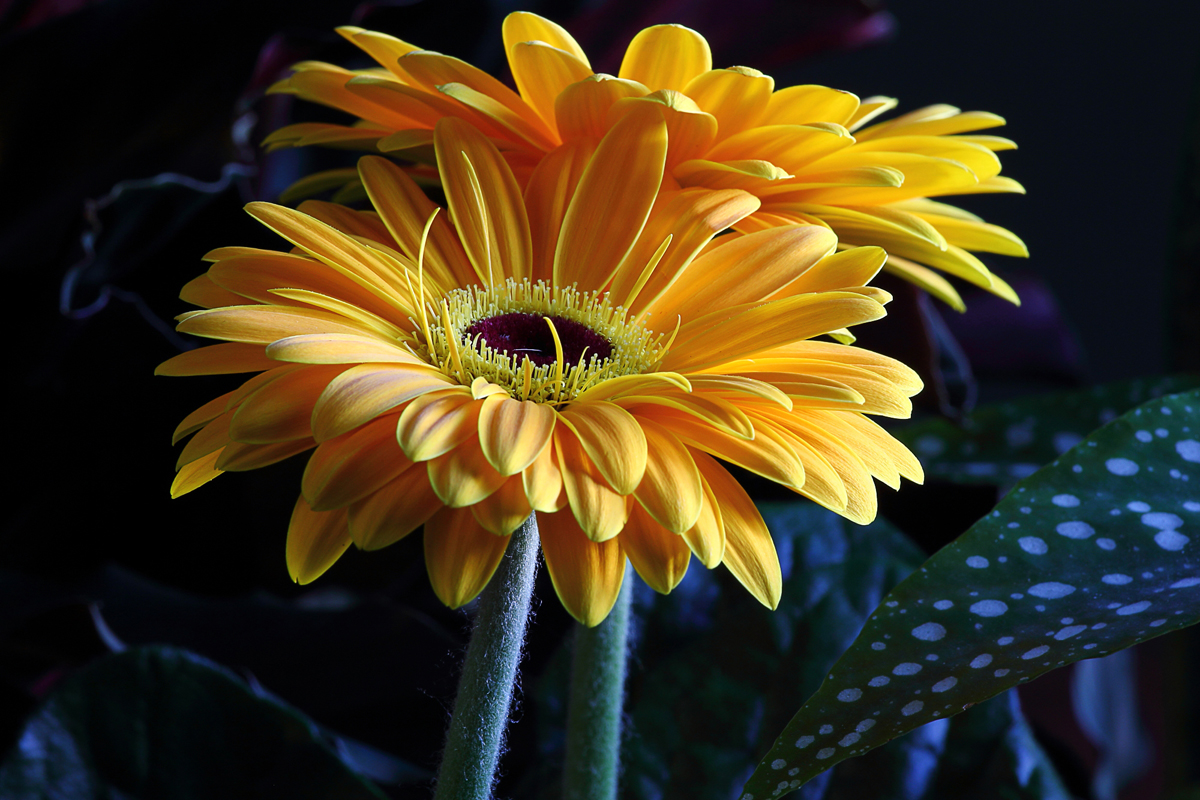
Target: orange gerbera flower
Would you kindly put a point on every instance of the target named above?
(584, 358)
(809, 153)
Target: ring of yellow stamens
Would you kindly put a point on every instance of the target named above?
(635, 349)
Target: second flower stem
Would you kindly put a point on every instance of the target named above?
(597, 692)
(489, 674)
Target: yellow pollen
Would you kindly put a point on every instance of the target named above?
(466, 357)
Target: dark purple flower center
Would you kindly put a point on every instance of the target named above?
(527, 335)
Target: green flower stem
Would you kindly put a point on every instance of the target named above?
(594, 708)
(489, 673)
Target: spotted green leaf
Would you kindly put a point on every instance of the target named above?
(1002, 443)
(1089, 555)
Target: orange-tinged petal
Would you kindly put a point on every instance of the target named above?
(340, 348)
(404, 208)
(691, 218)
(364, 392)
(194, 475)
(753, 268)
(460, 556)
(282, 410)
(463, 476)
(202, 416)
(690, 131)
(670, 491)
(351, 466)
(861, 500)
(737, 97)
(799, 105)
(659, 556)
(513, 433)
(749, 551)
(853, 267)
(202, 291)
(666, 57)
(242, 457)
(613, 199)
(547, 195)
(526, 130)
(523, 26)
(436, 423)
(541, 72)
(434, 70)
(503, 511)
(264, 324)
(623, 385)
(315, 540)
(379, 46)
(715, 411)
(330, 86)
(613, 440)
(706, 538)
(586, 574)
(767, 454)
(363, 224)
(393, 511)
(790, 147)
(751, 175)
(582, 108)
(485, 202)
(543, 482)
(741, 331)
(598, 509)
(218, 359)
(208, 439)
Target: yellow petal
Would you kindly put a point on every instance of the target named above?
(541, 72)
(241, 457)
(339, 348)
(861, 501)
(547, 195)
(463, 476)
(790, 147)
(613, 199)
(513, 433)
(522, 26)
(379, 46)
(800, 105)
(624, 385)
(767, 454)
(666, 57)
(977, 235)
(404, 208)
(752, 268)
(670, 491)
(315, 540)
(598, 509)
(524, 129)
(282, 410)
(744, 330)
(721, 414)
(264, 324)
(691, 218)
(436, 423)
(690, 131)
(586, 574)
(853, 267)
(706, 538)
(927, 279)
(543, 482)
(364, 392)
(749, 551)
(932, 121)
(218, 359)
(869, 109)
(395, 510)
(503, 511)
(350, 467)
(485, 202)
(194, 475)
(202, 291)
(751, 175)
(330, 86)
(737, 97)
(201, 417)
(612, 439)
(460, 556)
(582, 108)
(659, 556)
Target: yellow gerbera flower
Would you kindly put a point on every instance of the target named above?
(585, 359)
(807, 152)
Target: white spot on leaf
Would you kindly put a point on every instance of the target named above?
(1065, 500)
(1189, 450)
(1033, 545)
(849, 695)
(1035, 652)
(1117, 579)
(944, 685)
(977, 562)
(1051, 590)
(1121, 466)
(1074, 529)
(907, 668)
(805, 741)
(879, 680)
(981, 661)
(929, 632)
(912, 708)
(989, 608)
(1133, 608)
(1170, 540)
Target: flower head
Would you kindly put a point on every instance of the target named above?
(811, 154)
(587, 354)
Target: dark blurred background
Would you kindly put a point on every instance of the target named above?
(128, 133)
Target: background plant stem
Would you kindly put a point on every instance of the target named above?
(593, 758)
(489, 674)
